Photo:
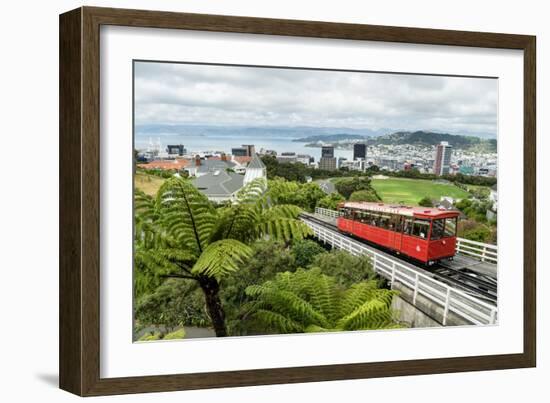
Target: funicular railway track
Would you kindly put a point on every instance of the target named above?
(476, 284)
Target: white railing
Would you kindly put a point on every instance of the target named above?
(327, 212)
(482, 251)
(448, 299)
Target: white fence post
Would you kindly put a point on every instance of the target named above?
(493, 316)
(447, 301)
(415, 288)
(483, 253)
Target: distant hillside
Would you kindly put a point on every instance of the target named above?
(431, 138)
(330, 137)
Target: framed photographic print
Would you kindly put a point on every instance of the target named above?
(248, 201)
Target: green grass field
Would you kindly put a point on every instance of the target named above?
(411, 191)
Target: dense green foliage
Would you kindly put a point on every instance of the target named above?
(176, 302)
(305, 252)
(309, 301)
(346, 268)
(474, 209)
(477, 231)
(331, 201)
(346, 186)
(303, 195)
(425, 202)
(180, 234)
(364, 195)
(268, 259)
(161, 173)
(300, 172)
(155, 335)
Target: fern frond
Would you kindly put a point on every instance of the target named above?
(253, 192)
(222, 257)
(318, 304)
(277, 322)
(186, 213)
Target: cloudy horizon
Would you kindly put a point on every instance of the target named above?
(175, 93)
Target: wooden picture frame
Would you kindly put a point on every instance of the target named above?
(79, 346)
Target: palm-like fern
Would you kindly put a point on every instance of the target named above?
(309, 301)
(179, 233)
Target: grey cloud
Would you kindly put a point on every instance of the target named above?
(232, 95)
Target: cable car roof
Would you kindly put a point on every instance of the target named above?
(411, 211)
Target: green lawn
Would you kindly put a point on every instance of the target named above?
(411, 191)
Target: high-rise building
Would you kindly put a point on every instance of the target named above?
(327, 152)
(359, 151)
(442, 158)
(250, 149)
(327, 161)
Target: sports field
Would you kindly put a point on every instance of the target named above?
(411, 191)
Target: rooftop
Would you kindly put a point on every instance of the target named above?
(256, 162)
(176, 164)
(219, 183)
(399, 209)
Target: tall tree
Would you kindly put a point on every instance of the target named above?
(180, 234)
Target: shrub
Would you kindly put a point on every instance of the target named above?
(305, 251)
(364, 195)
(178, 334)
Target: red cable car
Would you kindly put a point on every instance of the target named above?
(422, 233)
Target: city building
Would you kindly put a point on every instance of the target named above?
(359, 151)
(442, 161)
(327, 161)
(255, 170)
(287, 157)
(202, 166)
(356, 165)
(250, 149)
(305, 159)
(327, 152)
(239, 152)
(246, 150)
(341, 161)
(176, 149)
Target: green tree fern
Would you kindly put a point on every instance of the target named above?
(180, 234)
(309, 301)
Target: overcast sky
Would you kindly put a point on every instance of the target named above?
(249, 96)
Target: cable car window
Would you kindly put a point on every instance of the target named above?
(374, 219)
(407, 226)
(450, 226)
(395, 223)
(384, 221)
(437, 229)
(421, 228)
